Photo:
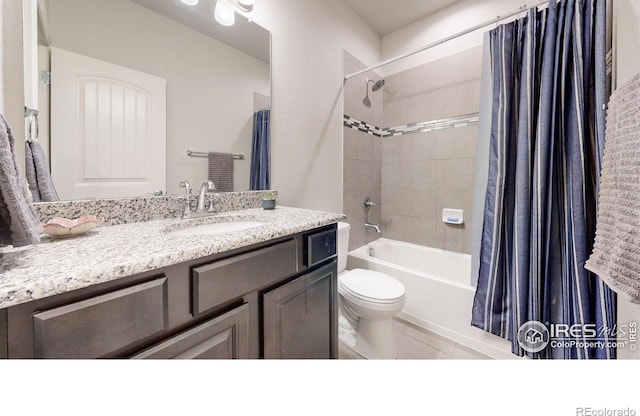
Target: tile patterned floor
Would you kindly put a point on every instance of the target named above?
(415, 343)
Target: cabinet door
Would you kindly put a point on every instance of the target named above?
(301, 317)
(224, 337)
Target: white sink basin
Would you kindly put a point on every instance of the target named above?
(217, 228)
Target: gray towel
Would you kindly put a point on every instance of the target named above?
(221, 171)
(38, 174)
(616, 252)
(30, 171)
(19, 225)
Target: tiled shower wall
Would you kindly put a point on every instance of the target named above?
(422, 173)
(362, 159)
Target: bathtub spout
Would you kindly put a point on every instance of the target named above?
(373, 226)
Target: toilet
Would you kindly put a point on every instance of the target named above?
(367, 301)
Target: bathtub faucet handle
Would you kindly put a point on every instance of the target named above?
(368, 204)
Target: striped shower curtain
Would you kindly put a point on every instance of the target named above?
(547, 135)
(260, 175)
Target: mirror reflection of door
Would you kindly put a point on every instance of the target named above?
(213, 73)
(109, 126)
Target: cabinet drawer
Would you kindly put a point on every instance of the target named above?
(224, 337)
(226, 280)
(99, 326)
(320, 247)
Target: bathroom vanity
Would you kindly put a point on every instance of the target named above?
(263, 292)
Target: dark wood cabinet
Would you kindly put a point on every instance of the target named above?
(215, 283)
(3, 334)
(300, 317)
(98, 326)
(224, 337)
(276, 299)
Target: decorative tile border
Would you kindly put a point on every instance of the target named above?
(444, 123)
(420, 127)
(355, 124)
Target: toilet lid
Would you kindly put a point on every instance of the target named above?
(372, 286)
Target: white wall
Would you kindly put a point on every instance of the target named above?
(307, 75)
(30, 37)
(210, 85)
(11, 77)
(626, 38)
(448, 21)
(626, 16)
(44, 99)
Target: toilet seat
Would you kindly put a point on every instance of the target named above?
(371, 286)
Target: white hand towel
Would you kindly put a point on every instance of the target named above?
(616, 252)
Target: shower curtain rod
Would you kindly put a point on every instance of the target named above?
(448, 38)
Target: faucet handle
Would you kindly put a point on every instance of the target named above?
(187, 186)
(368, 204)
(211, 208)
(186, 212)
(210, 185)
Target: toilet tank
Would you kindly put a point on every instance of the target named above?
(343, 245)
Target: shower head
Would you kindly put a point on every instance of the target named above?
(376, 86)
(379, 84)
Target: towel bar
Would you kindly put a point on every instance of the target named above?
(32, 124)
(205, 154)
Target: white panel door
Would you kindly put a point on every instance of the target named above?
(108, 129)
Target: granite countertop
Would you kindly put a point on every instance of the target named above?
(108, 253)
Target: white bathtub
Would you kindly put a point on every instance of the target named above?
(439, 296)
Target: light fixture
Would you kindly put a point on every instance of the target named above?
(224, 12)
(246, 5)
(190, 2)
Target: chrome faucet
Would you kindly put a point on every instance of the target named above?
(200, 211)
(206, 187)
(366, 206)
(376, 227)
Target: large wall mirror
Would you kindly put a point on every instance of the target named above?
(136, 84)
